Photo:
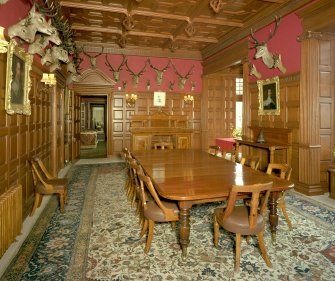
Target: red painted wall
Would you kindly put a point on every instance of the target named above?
(284, 42)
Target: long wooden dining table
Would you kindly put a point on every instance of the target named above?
(193, 177)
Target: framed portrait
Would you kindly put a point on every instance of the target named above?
(159, 98)
(18, 81)
(269, 97)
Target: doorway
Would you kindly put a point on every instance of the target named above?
(93, 133)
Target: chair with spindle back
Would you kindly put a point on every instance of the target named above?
(244, 220)
(214, 150)
(45, 184)
(284, 171)
(155, 210)
(250, 161)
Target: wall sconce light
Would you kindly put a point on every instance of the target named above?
(3, 41)
(48, 79)
(188, 99)
(131, 99)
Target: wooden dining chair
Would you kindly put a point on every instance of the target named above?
(45, 183)
(283, 171)
(156, 210)
(250, 161)
(214, 150)
(163, 145)
(244, 220)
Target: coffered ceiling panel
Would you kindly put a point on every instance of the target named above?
(196, 27)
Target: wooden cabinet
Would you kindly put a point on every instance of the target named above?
(146, 130)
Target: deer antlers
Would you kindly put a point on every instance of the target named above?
(136, 77)
(93, 59)
(116, 71)
(255, 42)
(160, 72)
(183, 79)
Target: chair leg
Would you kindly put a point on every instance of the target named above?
(281, 205)
(238, 252)
(263, 249)
(37, 202)
(216, 231)
(61, 202)
(149, 237)
(144, 228)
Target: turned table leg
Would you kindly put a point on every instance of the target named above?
(184, 220)
(273, 216)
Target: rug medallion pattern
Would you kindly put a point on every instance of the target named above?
(97, 238)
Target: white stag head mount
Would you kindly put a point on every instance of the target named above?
(26, 28)
(136, 77)
(183, 79)
(159, 72)
(269, 59)
(116, 71)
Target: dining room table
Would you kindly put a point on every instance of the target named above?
(191, 177)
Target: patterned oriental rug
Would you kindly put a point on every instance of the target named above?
(97, 238)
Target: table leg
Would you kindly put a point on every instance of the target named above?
(273, 216)
(184, 220)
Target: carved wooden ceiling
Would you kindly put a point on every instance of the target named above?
(195, 27)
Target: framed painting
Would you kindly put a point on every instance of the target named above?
(269, 96)
(159, 98)
(18, 82)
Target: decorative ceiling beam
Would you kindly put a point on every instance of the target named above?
(105, 8)
(139, 33)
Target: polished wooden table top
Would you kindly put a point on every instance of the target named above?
(196, 175)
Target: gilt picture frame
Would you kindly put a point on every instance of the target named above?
(269, 96)
(18, 81)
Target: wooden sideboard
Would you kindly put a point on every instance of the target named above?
(275, 139)
(146, 130)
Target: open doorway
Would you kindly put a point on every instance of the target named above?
(93, 133)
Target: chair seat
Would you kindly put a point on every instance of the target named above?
(238, 221)
(154, 213)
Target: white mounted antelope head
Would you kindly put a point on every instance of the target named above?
(159, 72)
(93, 59)
(72, 77)
(136, 77)
(269, 59)
(27, 27)
(42, 41)
(53, 57)
(183, 79)
(116, 71)
(254, 71)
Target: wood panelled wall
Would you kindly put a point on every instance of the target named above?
(289, 91)
(218, 107)
(40, 134)
(120, 115)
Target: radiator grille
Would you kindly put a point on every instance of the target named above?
(10, 217)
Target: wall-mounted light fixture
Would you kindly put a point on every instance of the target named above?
(3, 41)
(131, 99)
(48, 79)
(188, 99)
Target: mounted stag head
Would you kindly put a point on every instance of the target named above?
(116, 71)
(183, 79)
(269, 59)
(42, 41)
(136, 77)
(254, 71)
(93, 59)
(72, 77)
(159, 72)
(53, 57)
(27, 27)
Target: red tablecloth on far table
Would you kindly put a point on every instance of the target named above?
(226, 144)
